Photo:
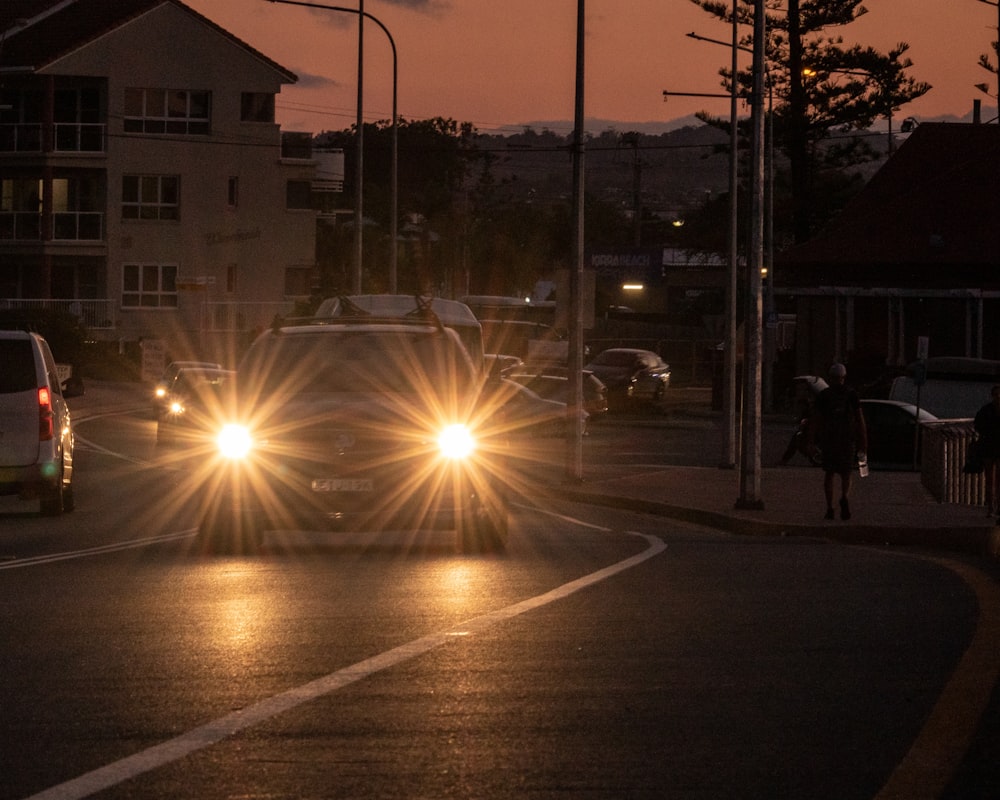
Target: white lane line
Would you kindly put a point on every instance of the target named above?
(219, 729)
(113, 547)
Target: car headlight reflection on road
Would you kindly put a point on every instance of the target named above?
(456, 442)
(234, 441)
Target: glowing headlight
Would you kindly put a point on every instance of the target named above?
(234, 441)
(456, 442)
(176, 407)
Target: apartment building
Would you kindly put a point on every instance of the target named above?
(144, 183)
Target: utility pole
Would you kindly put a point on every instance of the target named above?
(750, 464)
(574, 455)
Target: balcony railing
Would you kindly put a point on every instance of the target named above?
(79, 137)
(67, 137)
(78, 226)
(67, 226)
(24, 226)
(24, 137)
(93, 314)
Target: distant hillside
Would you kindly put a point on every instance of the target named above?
(677, 170)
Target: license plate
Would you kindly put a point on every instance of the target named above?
(343, 485)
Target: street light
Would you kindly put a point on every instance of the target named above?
(394, 211)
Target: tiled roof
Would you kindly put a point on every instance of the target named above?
(58, 27)
(930, 216)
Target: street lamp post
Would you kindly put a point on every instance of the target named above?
(750, 461)
(394, 201)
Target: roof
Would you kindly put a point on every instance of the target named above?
(38, 32)
(929, 217)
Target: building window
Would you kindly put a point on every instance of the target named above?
(149, 286)
(231, 285)
(256, 107)
(298, 194)
(150, 197)
(175, 111)
(233, 192)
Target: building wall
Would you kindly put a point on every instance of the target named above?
(223, 252)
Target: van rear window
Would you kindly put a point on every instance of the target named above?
(17, 366)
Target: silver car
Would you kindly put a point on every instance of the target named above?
(36, 434)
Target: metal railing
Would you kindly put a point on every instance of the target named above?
(67, 137)
(67, 226)
(23, 137)
(78, 137)
(93, 314)
(945, 446)
(78, 226)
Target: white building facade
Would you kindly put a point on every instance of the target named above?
(145, 184)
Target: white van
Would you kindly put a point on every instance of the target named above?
(36, 434)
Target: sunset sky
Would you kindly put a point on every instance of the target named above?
(504, 65)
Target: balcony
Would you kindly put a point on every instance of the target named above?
(78, 137)
(67, 226)
(21, 138)
(78, 226)
(67, 137)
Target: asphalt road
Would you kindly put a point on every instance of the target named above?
(605, 655)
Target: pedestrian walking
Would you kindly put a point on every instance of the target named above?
(838, 427)
(987, 424)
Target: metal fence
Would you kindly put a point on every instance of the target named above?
(93, 314)
(945, 446)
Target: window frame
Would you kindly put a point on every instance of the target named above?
(176, 112)
(146, 207)
(139, 293)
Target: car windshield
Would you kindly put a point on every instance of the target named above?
(408, 362)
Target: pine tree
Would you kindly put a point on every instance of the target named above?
(818, 86)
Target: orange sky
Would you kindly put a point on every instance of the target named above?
(506, 64)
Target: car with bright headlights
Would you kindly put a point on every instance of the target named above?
(162, 386)
(195, 400)
(359, 422)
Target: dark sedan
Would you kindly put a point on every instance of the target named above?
(632, 374)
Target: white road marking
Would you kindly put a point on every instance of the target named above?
(113, 547)
(231, 724)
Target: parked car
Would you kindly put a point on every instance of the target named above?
(358, 423)
(552, 383)
(632, 374)
(162, 386)
(197, 399)
(892, 427)
(523, 412)
(36, 431)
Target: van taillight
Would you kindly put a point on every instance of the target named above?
(46, 426)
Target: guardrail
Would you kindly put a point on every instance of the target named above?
(945, 446)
